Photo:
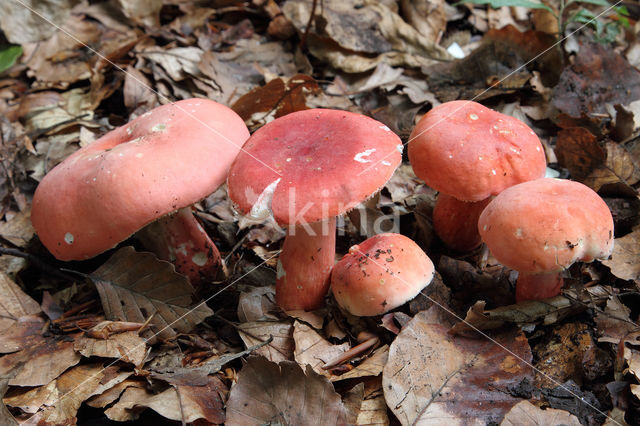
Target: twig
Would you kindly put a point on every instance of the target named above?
(303, 39)
(45, 267)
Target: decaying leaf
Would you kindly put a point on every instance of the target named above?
(269, 393)
(356, 39)
(137, 286)
(18, 229)
(22, 21)
(614, 323)
(127, 346)
(625, 260)
(526, 414)
(257, 304)
(313, 350)
(432, 375)
(14, 303)
(181, 402)
(591, 82)
(280, 348)
(58, 401)
(41, 361)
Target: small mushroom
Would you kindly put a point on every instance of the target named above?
(469, 153)
(314, 165)
(380, 274)
(154, 167)
(541, 227)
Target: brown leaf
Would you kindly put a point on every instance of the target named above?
(127, 346)
(5, 416)
(280, 349)
(181, 402)
(625, 260)
(426, 16)
(267, 392)
(526, 414)
(614, 323)
(112, 394)
(40, 362)
(431, 374)
(138, 95)
(135, 286)
(257, 304)
(14, 303)
(23, 22)
(578, 150)
(18, 229)
(373, 365)
(279, 96)
(592, 81)
(60, 400)
(313, 350)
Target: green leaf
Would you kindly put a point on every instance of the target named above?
(604, 3)
(510, 3)
(8, 56)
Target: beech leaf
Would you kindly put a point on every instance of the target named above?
(135, 286)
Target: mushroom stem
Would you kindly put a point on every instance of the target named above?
(456, 222)
(538, 286)
(304, 266)
(181, 240)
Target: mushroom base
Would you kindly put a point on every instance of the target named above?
(305, 264)
(538, 286)
(456, 222)
(179, 238)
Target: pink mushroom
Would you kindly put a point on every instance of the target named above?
(155, 167)
(380, 274)
(314, 165)
(469, 153)
(541, 227)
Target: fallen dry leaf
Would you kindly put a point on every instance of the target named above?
(283, 393)
(614, 322)
(373, 365)
(127, 346)
(41, 359)
(14, 303)
(526, 414)
(625, 259)
(591, 82)
(314, 350)
(18, 229)
(136, 286)
(280, 348)
(22, 21)
(432, 375)
(257, 304)
(112, 394)
(181, 402)
(58, 402)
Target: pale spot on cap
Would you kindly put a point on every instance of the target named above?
(473, 116)
(199, 259)
(68, 238)
(359, 157)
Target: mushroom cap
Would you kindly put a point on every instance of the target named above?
(380, 274)
(546, 225)
(166, 159)
(313, 164)
(468, 151)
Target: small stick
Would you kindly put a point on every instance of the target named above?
(352, 353)
(45, 267)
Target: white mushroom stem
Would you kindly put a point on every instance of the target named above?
(538, 286)
(305, 264)
(181, 240)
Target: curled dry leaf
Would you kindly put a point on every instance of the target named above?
(127, 346)
(432, 375)
(18, 229)
(625, 260)
(614, 322)
(136, 286)
(257, 304)
(526, 414)
(371, 366)
(268, 393)
(181, 402)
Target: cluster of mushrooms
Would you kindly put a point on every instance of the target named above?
(305, 169)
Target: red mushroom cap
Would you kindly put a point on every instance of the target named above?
(546, 225)
(380, 274)
(166, 159)
(468, 151)
(313, 164)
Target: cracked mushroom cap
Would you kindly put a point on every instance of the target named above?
(546, 225)
(380, 274)
(468, 151)
(164, 160)
(311, 165)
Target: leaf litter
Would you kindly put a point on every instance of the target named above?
(119, 333)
